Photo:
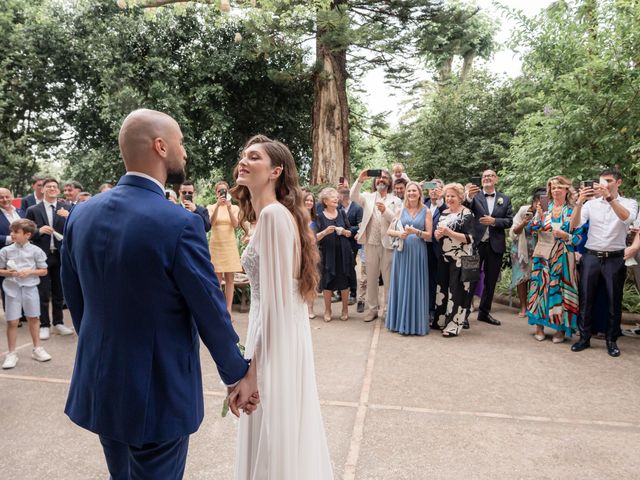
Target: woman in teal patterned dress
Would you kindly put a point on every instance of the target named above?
(553, 293)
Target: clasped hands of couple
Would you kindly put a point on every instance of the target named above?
(244, 396)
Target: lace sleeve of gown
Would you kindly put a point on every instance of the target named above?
(278, 341)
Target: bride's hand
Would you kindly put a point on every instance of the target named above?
(252, 405)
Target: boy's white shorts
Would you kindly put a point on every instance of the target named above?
(26, 299)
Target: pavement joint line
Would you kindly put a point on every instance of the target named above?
(358, 427)
(18, 348)
(506, 416)
(35, 379)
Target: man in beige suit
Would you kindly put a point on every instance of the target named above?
(379, 210)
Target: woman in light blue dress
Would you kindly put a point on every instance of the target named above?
(408, 307)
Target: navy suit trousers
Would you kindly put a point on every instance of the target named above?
(152, 461)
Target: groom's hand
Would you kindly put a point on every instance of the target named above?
(245, 395)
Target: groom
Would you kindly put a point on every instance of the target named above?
(141, 289)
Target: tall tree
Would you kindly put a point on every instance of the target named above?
(371, 32)
(457, 30)
(581, 85)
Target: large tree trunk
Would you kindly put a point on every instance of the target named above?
(467, 64)
(330, 123)
(444, 71)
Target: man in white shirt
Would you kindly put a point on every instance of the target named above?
(603, 267)
(379, 209)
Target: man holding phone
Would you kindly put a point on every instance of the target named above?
(603, 263)
(187, 199)
(493, 215)
(379, 209)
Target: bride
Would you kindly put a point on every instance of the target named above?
(284, 439)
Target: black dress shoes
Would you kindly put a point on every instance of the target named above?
(612, 348)
(580, 345)
(489, 319)
(465, 324)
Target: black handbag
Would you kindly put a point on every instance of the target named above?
(470, 268)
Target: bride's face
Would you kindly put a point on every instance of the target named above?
(254, 168)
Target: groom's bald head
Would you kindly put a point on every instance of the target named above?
(140, 130)
(150, 139)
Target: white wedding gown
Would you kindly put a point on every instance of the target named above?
(284, 439)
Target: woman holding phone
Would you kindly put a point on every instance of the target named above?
(553, 293)
(522, 247)
(223, 247)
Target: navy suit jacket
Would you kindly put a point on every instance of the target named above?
(38, 214)
(434, 244)
(204, 214)
(354, 215)
(141, 289)
(503, 215)
(4, 227)
(28, 201)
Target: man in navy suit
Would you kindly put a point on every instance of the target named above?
(435, 203)
(37, 195)
(354, 215)
(49, 216)
(9, 214)
(493, 215)
(141, 289)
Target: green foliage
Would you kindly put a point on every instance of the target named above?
(581, 90)
(34, 88)
(462, 129)
(186, 63)
(75, 70)
(457, 29)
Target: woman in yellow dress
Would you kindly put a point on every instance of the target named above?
(223, 248)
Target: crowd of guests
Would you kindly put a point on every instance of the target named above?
(32, 235)
(422, 249)
(424, 254)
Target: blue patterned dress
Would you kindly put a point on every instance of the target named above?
(553, 293)
(408, 307)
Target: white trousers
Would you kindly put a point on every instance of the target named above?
(378, 262)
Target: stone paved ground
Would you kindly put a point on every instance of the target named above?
(491, 404)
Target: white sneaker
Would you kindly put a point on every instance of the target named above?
(10, 361)
(44, 333)
(62, 329)
(40, 354)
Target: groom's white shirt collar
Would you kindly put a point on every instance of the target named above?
(148, 177)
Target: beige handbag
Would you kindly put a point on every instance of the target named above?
(544, 245)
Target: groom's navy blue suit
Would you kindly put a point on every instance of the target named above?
(140, 287)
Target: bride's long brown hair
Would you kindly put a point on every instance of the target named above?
(289, 193)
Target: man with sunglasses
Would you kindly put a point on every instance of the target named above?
(187, 199)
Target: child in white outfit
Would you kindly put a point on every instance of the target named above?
(22, 263)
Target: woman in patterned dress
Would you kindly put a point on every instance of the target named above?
(454, 232)
(522, 247)
(553, 293)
